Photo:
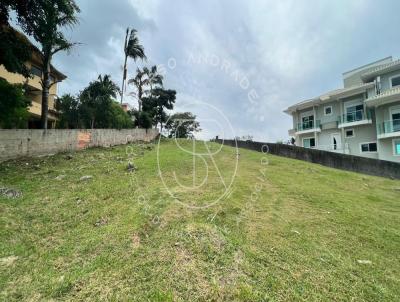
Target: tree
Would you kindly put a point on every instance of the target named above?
(140, 81)
(154, 79)
(43, 20)
(142, 119)
(15, 48)
(96, 102)
(15, 51)
(68, 107)
(132, 49)
(160, 100)
(119, 119)
(13, 105)
(182, 125)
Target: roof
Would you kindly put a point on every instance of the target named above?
(369, 65)
(54, 71)
(329, 96)
(392, 66)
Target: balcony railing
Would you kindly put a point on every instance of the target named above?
(389, 127)
(354, 116)
(308, 125)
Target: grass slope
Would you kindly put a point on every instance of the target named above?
(289, 231)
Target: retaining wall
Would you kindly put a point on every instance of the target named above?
(347, 162)
(17, 143)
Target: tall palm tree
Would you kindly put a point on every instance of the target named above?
(140, 81)
(132, 49)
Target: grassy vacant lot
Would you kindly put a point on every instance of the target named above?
(289, 231)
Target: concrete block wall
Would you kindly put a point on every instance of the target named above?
(347, 162)
(17, 143)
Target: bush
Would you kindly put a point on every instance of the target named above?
(13, 105)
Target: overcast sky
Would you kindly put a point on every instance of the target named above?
(244, 59)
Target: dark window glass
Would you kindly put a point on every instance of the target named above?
(396, 122)
(308, 122)
(395, 81)
(312, 142)
(328, 110)
(370, 147)
(36, 71)
(355, 113)
(349, 133)
(364, 148)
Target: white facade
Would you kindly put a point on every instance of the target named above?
(362, 119)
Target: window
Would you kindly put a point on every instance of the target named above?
(309, 142)
(396, 147)
(395, 81)
(350, 133)
(328, 110)
(369, 147)
(308, 122)
(36, 71)
(354, 113)
(395, 114)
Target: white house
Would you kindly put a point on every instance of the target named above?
(363, 118)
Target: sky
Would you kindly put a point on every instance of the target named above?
(235, 64)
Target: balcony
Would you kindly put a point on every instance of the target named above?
(308, 127)
(354, 118)
(385, 97)
(389, 129)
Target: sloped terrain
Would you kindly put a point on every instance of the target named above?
(92, 226)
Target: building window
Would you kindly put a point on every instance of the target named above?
(395, 81)
(308, 122)
(36, 71)
(349, 133)
(369, 147)
(309, 142)
(395, 114)
(396, 147)
(328, 110)
(354, 113)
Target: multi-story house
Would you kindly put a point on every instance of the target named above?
(362, 119)
(34, 88)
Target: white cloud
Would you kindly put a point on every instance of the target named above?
(288, 50)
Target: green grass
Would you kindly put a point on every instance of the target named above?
(288, 231)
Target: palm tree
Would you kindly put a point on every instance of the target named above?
(154, 78)
(140, 81)
(96, 99)
(132, 49)
(107, 86)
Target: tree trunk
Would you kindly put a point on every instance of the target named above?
(124, 78)
(140, 98)
(125, 70)
(45, 91)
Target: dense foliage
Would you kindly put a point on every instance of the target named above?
(15, 50)
(156, 104)
(95, 107)
(44, 20)
(182, 125)
(13, 105)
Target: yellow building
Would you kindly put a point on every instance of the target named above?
(34, 89)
